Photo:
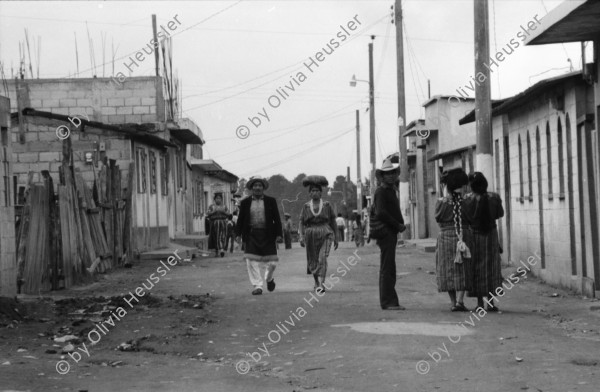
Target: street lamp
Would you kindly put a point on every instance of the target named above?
(371, 83)
(354, 80)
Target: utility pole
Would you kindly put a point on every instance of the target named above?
(359, 181)
(372, 118)
(403, 157)
(156, 44)
(483, 115)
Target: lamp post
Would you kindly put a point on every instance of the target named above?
(371, 83)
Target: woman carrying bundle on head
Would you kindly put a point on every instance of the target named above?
(482, 209)
(217, 214)
(452, 257)
(317, 229)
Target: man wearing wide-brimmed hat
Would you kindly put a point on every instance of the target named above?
(259, 226)
(387, 210)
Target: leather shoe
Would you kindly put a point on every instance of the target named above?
(271, 285)
(257, 292)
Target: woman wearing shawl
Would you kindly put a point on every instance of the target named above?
(317, 229)
(452, 269)
(482, 209)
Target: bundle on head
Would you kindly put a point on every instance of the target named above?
(315, 180)
(481, 215)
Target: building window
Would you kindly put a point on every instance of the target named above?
(5, 165)
(413, 186)
(497, 158)
(164, 175)
(549, 159)
(179, 170)
(561, 170)
(529, 171)
(140, 156)
(198, 196)
(152, 172)
(521, 194)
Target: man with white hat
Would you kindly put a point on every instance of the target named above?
(387, 211)
(259, 227)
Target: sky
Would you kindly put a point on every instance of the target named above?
(235, 58)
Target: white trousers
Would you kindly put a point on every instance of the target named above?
(256, 275)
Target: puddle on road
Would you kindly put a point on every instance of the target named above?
(404, 328)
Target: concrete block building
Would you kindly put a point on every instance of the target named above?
(126, 122)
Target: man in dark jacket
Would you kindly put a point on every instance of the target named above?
(387, 210)
(259, 227)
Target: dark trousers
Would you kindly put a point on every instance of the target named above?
(387, 271)
(230, 238)
(341, 233)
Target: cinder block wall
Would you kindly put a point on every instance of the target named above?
(137, 100)
(525, 227)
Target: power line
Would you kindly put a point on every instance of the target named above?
(320, 143)
(287, 73)
(283, 134)
(279, 151)
(172, 35)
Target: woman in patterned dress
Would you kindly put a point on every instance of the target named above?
(317, 229)
(482, 209)
(454, 278)
(217, 214)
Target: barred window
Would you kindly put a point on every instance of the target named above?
(164, 175)
(152, 172)
(140, 156)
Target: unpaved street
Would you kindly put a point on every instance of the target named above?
(199, 329)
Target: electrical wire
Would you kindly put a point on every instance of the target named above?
(172, 35)
(282, 129)
(280, 150)
(283, 134)
(299, 65)
(320, 144)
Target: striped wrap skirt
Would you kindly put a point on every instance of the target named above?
(318, 240)
(485, 263)
(452, 276)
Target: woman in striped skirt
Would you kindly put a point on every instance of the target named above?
(482, 209)
(452, 277)
(317, 230)
(217, 214)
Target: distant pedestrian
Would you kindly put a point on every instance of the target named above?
(259, 227)
(357, 229)
(287, 231)
(341, 227)
(482, 209)
(386, 209)
(217, 214)
(317, 230)
(452, 267)
(230, 234)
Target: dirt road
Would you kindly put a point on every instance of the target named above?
(198, 329)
